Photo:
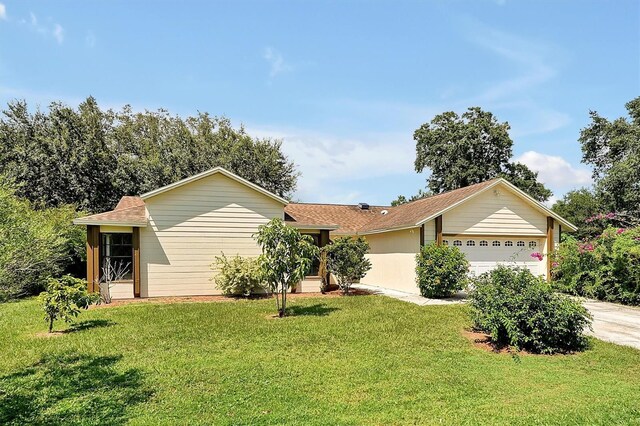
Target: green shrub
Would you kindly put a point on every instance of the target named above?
(441, 270)
(346, 260)
(606, 268)
(64, 298)
(521, 310)
(238, 276)
(35, 244)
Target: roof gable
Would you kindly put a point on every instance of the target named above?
(212, 172)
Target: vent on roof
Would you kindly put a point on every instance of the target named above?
(363, 206)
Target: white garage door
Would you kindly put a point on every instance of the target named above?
(485, 253)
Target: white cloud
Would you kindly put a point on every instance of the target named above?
(3, 12)
(329, 161)
(58, 33)
(276, 62)
(48, 29)
(535, 64)
(555, 170)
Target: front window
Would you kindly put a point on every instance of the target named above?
(315, 265)
(116, 251)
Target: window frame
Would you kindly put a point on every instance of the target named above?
(104, 247)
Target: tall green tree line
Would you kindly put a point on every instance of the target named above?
(90, 157)
(612, 149)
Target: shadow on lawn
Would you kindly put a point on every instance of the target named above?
(71, 389)
(318, 310)
(89, 324)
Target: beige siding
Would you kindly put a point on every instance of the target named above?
(122, 290)
(430, 232)
(191, 225)
(393, 260)
(495, 212)
(116, 229)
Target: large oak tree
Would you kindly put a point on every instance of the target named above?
(461, 150)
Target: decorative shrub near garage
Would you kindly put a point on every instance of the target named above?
(521, 310)
(441, 270)
(606, 268)
(238, 276)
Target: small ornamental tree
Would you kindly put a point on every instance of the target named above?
(64, 298)
(346, 260)
(286, 258)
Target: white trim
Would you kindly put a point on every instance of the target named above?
(211, 172)
(380, 231)
(109, 223)
(318, 227)
(515, 189)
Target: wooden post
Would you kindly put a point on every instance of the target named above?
(136, 261)
(93, 258)
(323, 241)
(90, 258)
(422, 235)
(550, 245)
(439, 230)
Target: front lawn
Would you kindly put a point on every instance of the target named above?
(349, 360)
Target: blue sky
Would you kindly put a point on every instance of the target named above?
(344, 84)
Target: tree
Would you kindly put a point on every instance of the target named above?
(404, 200)
(612, 148)
(90, 157)
(346, 260)
(35, 244)
(577, 206)
(64, 298)
(286, 258)
(469, 149)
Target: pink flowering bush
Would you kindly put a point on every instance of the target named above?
(606, 268)
(538, 255)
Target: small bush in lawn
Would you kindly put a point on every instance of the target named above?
(441, 270)
(64, 298)
(238, 276)
(521, 310)
(346, 260)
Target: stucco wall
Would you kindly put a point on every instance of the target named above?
(189, 226)
(393, 263)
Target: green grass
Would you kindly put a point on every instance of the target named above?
(353, 360)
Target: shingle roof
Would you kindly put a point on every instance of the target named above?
(348, 218)
(352, 219)
(130, 210)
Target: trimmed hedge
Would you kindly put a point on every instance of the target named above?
(441, 270)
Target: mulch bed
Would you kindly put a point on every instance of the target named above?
(483, 341)
(220, 298)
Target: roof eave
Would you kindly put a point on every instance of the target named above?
(109, 223)
(306, 226)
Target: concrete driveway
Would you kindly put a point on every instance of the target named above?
(611, 322)
(615, 323)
